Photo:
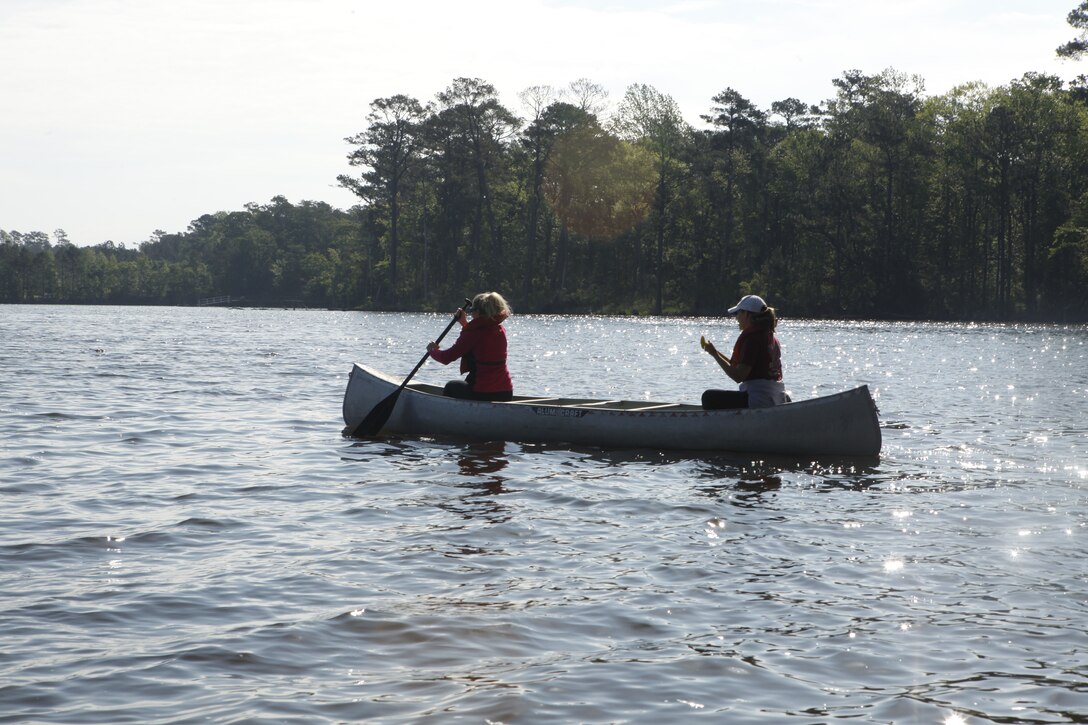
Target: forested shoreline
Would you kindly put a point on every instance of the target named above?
(878, 203)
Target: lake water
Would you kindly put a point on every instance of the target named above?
(185, 536)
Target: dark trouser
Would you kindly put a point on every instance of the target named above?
(461, 389)
(724, 399)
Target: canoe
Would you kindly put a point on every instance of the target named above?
(842, 424)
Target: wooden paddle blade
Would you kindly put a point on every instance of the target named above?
(377, 417)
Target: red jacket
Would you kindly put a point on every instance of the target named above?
(759, 349)
(481, 346)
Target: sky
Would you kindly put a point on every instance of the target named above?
(123, 117)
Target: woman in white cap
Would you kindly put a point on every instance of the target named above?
(756, 362)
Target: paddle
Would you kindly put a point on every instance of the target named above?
(379, 415)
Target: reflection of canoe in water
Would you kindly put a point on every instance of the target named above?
(843, 424)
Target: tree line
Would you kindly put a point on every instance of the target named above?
(880, 202)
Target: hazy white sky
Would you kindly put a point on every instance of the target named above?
(120, 117)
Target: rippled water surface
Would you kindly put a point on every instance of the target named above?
(186, 537)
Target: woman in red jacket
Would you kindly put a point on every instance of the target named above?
(756, 362)
(481, 348)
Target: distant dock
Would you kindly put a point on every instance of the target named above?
(221, 300)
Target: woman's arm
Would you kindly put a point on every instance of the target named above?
(738, 373)
(465, 342)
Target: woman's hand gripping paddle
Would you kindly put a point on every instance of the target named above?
(379, 415)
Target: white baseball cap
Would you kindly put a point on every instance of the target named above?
(749, 303)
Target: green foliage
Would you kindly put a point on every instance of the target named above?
(258, 255)
(878, 203)
(1078, 19)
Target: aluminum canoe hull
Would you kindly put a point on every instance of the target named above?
(842, 424)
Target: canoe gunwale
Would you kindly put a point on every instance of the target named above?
(616, 404)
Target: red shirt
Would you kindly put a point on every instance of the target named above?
(481, 346)
(759, 349)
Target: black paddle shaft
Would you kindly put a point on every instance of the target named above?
(379, 414)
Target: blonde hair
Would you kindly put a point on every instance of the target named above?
(490, 304)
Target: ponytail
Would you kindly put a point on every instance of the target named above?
(767, 319)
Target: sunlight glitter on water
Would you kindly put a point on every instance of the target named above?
(254, 556)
